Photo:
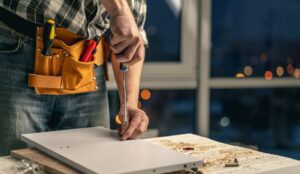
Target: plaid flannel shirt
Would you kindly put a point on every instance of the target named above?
(85, 17)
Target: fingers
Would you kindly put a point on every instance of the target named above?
(120, 47)
(128, 51)
(138, 125)
(140, 130)
(117, 40)
(139, 55)
(133, 125)
(119, 132)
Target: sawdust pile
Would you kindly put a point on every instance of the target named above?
(214, 155)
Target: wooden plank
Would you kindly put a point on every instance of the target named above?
(46, 163)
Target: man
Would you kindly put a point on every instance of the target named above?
(22, 111)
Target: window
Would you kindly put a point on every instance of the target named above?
(163, 26)
(249, 86)
(261, 44)
(263, 117)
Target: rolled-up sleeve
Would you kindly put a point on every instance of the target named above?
(139, 10)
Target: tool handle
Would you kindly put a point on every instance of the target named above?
(90, 50)
(123, 68)
(48, 37)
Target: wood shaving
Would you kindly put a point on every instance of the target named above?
(220, 158)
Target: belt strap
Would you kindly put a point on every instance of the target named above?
(17, 23)
(44, 81)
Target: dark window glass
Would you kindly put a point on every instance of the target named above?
(170, 111)
(255, 38)
(266, 118)
(163, 30)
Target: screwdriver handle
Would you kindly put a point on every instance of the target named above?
(123, 68)
(48, 37)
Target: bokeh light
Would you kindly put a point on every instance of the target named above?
(297, 73)
(268, 75)
(239, 75)
(248, 70)
(224, 122)
(145, 94)
(279, 71)
(290, 69)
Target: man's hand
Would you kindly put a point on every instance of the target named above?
(126, 41)
(138, 123)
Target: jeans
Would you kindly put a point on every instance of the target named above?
(22, 111)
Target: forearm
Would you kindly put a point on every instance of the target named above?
(127, 42)
(133, 77)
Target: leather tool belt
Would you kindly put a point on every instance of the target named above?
(62, 72)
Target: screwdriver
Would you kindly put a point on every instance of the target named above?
(124, 70)
(48, 37)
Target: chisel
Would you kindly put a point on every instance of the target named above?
(125, 122)
(48, 37)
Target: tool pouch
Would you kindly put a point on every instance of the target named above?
(63, 73)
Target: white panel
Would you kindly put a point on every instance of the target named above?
(99, 150)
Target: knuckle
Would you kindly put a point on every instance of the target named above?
(134, 125)
(136, 40)
(143, 112)
(127, 58)
(138, 58)
(130, 131)
(118, 51)
(132, 62)
(139, 40)
(115, 51)
(146, 118)
(139, 131)
(122, 32)
(113, 48)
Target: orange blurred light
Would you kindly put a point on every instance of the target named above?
(239, 75)
(139, 104)
(279, 71)
(145, 94)
(117, 119)
(268, 75)
(297, 73)
(248, 70)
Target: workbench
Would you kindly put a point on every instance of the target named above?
(218, 158)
